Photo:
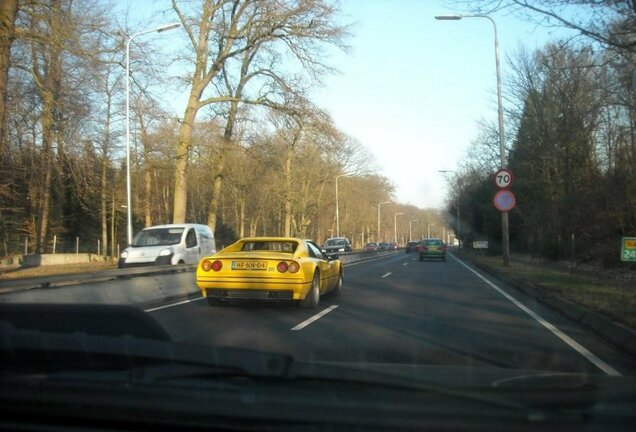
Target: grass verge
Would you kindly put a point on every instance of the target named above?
(50, 270)
(600, 292)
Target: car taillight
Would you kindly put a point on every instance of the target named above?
(291, 267)
(208, 265)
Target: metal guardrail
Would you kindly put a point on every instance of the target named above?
(20, 284)
(10, 285)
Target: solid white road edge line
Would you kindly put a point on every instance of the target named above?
(316, 317)
(565, 338)
(174, 304)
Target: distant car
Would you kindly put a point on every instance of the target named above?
(412, 246)
(278, 268)
(337, 244)
(432, 248)
(384, 246)
(393, 246)
(371, 247)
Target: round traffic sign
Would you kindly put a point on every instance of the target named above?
(503, 178)
(504, 200)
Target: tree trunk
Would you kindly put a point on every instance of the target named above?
(147, 171)
(218, 179)
(181, 167)
(113, 218)
(8, 13)
(47, 169)
(49, 86)
(288, 190)
(104, 177)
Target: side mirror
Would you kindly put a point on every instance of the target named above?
(332, 257)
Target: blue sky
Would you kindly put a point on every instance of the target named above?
(412, 89)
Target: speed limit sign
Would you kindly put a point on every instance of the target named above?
(503, 178)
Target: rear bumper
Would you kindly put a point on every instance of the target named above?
(253, 289)
(250, 294)
(432, 255)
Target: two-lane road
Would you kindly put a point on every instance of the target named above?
(396, 309)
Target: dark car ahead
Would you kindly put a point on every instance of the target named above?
(384, 246)
(412, 246)
(337, 244)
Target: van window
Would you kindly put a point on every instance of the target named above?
(191, 238)
(158, 237)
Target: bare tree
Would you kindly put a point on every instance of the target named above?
(227, 29)
(611, 23)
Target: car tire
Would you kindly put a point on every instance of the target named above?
(312, 299)
(337, 290)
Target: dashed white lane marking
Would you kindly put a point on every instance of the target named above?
(316, 317)
(405, 264)
(174, 304)
(386, 275)
(565, 338)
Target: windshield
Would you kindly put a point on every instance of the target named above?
(158, 237)
(375, 195)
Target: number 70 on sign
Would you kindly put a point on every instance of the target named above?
(503, 178)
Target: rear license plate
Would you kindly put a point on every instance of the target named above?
(249, 265)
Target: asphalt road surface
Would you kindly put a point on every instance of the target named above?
(395, 309)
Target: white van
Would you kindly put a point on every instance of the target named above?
(169, 244)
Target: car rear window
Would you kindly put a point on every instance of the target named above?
(433, 242)
(278, 246)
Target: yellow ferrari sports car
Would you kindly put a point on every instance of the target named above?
(283, 268)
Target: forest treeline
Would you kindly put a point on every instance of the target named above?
(252, 155)
(571, 137)
(249, 155)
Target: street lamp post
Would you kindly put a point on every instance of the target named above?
(337, 213)
(379, 205)
(502, 151)
(128, 188)
(410, 231)
(395, 225)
